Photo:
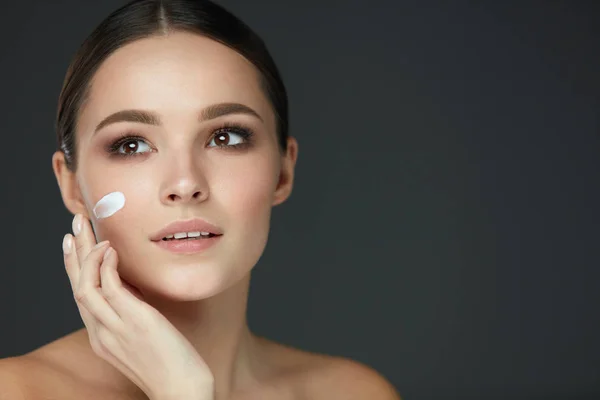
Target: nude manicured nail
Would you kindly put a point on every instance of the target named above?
(77, 224)
(101, 244)
(107, 253)
(67, 244)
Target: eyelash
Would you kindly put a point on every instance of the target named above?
(227, 127)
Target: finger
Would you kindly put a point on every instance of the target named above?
(73, 272)
(89, 293)
(89, 274)
(84, 237)
(120, 295)
(70, 260)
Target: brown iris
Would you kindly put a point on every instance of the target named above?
(130, 146)
(222, 139)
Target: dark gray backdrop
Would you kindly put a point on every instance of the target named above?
(444, 224)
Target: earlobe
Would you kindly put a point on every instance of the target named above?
(67, 183)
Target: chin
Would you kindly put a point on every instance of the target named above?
(187, 282)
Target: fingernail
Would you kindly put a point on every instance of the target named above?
(107, 253)
(77, 224)
(101, 244)
(67, 244)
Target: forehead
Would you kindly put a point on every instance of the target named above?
(175, 75)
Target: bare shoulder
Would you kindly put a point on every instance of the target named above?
(343, 378)
(14, 384)
(321, 376)
(36, 376)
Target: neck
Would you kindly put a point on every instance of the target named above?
(217, 328)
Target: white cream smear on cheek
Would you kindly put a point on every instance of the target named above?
(109, 204)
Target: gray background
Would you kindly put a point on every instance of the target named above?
(444, 224)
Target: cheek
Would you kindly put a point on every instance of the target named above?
(246, 201)
(247, 196)
(134, 193)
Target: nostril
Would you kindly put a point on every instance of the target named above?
(182, 197)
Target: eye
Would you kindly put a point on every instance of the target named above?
(130, 146)
(223, 137)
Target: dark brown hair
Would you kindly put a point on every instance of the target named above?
(145, 18)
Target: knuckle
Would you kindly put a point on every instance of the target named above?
(86, 259)
(109, 293)
(81, 296)
(78, 244)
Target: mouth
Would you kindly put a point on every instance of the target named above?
(188, 244)
(188, 230)
(184, 239)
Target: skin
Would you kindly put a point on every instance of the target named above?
(180, 176)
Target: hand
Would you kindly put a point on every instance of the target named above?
(126, 331)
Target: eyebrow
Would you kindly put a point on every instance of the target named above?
(151, 118)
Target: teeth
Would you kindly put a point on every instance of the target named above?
(182, 235)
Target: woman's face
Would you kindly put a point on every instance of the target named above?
(175, 170)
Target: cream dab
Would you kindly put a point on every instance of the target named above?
(109, 204)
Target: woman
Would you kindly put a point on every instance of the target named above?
(173, 147)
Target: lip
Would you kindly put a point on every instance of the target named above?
(192, 225)
(188, 246)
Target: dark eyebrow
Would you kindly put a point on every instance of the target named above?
(152, 118)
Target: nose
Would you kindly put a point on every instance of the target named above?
(185, 184)
(183, 194)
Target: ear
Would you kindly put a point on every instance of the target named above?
(69, 187)
(286, 174)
